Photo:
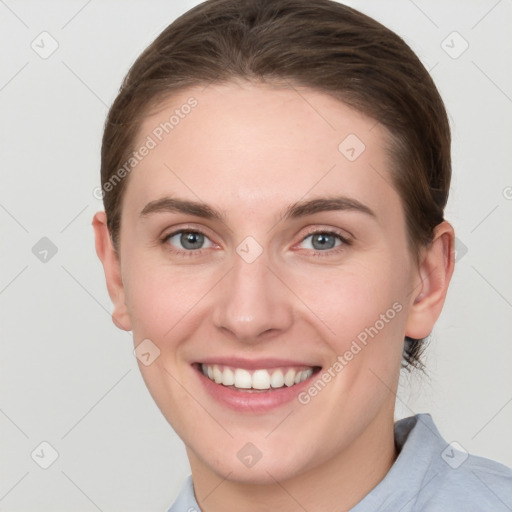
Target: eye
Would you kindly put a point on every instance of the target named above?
(324, 241)
(187, 240)
(192, 242)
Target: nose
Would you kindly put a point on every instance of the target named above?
(252, 303)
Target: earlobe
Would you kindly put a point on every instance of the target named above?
(112, 268)
(434, 274)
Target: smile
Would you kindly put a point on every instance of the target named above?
(254, 386)
(258, 379)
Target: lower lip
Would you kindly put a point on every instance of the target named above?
(255, 401)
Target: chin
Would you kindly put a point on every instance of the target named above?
(249, 465)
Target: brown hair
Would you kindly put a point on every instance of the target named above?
(320, 44)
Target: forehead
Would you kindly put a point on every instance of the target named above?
(258, 146)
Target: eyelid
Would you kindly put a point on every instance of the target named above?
(332, 252)
(164, 239)
(344, 235)
(166, 233)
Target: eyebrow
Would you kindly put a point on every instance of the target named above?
(294, 211)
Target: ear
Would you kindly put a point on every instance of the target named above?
(435, 270)
(112, 267)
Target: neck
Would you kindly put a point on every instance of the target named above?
(337, 484)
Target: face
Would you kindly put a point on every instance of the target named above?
(263, 245)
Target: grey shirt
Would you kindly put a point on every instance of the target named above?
(428, 475)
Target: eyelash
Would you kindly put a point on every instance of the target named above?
(327, 253)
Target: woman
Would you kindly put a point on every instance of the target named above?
(274, 177)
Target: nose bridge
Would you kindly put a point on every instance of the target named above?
(251, 300)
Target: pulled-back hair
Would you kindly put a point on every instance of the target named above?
(319, 44)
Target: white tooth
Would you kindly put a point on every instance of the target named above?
(302, 376)
(228, 377)
(277, 379)
(261, 379)
(217, 374)
(289, 378)
(242, 379)
(307, 373)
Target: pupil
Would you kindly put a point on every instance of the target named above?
(323, 241)
(191, 240)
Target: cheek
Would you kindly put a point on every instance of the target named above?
(347, 302)
(355, 302)
(160, 299)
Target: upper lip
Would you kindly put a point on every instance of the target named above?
(254, 364)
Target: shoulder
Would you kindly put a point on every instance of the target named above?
(457, 480)
(478, 484)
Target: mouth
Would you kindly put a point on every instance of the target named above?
(261, 379)
(254, 387)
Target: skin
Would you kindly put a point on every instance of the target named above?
(250, 151)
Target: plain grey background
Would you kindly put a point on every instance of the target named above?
(69, 377)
